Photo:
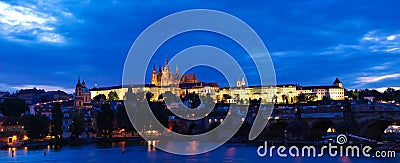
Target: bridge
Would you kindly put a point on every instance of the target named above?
(308, 123)
(367, 121)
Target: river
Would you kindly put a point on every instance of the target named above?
(142, 152)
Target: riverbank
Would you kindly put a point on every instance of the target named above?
(32, 144)
(142, 152)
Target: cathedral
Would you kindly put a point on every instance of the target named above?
(165, 76)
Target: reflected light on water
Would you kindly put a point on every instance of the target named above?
(151, 145)
(192, 147)
(345, 159)
(230, 152)
(298, 159)
(25, 150)
(12, 152)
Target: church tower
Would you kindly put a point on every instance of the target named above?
(154, 75)
(166, 75)
(78, 94)
(338, 83)
(82, 97)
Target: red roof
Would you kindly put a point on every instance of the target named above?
(189, 77)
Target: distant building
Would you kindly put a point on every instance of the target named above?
(54, 96)
(66, 123)
(44, 109)
(3, 95)
(82, 98)
(31, 96)
(11, 126)
(240, 83)
(333, 92)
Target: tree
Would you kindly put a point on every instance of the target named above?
(13, 107)
(194, 99)
(301, 97)
(123, 121)
(284, 99)
(56, 121)
(311, 97)
(225, 97)
(37, 126)
(98, 98)
(78, 125)
(149, 96)
(105, 121)
(355, 95)
(160, 97)
(112, 96)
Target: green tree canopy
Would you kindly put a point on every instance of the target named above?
(56, 120)
(13, 107)
(78, 125)
(123, 120)
(112, 96)
(105, 121)
(37, 126)
(98, 98)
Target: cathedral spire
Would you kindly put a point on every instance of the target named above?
(154, 67)
(176, 70)
(166, 60)
(79, 79)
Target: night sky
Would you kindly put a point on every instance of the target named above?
(49, 43)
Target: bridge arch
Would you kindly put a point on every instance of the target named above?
(319, 129)
(276, 130)
(374, 129)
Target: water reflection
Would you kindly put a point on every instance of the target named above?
(345, 160)
(145, 151)
(151, 145)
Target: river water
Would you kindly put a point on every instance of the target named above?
(142, 152)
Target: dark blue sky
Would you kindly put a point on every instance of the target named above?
(49, 43)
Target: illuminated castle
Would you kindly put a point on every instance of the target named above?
(165, 77)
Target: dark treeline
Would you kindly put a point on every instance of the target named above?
(389, 94)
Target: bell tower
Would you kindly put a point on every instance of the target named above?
(78, 100)
(154, 75)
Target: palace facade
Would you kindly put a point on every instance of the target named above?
(241, 94)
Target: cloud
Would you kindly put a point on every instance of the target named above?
(383, 66)
(381, 41)
(373, 41)
(373, 79)
(383, 89)
(391, 38)
(32, 21)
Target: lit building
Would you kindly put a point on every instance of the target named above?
(82, 98)
(332, 92)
